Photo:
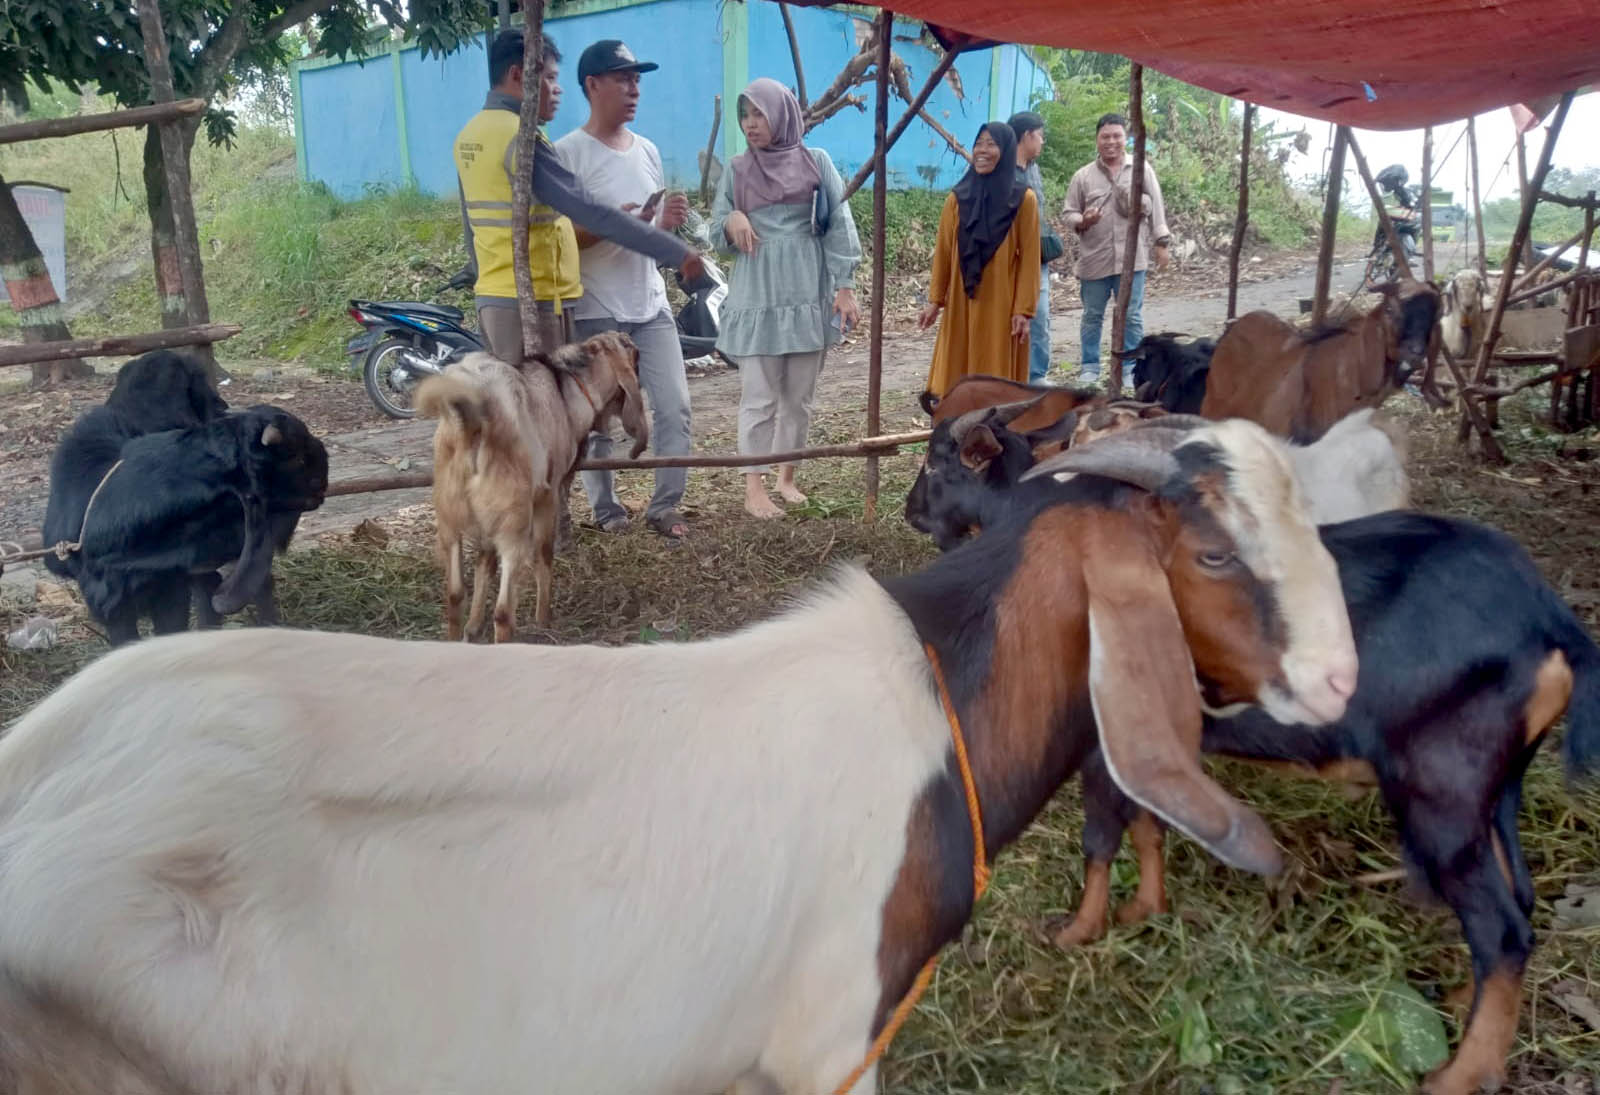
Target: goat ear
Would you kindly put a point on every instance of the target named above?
(979, 447)
(272, 435)
(1146, 707)
(1058, 431)
(632, 414)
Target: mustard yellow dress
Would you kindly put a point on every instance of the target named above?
(975, 332)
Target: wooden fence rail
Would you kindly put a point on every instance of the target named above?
(30, 353)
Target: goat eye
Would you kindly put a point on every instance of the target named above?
(1215, 560)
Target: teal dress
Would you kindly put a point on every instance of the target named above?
(780, 299)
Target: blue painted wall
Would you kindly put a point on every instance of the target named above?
(348, 115)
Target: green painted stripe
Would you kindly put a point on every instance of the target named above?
(994, 82)
(735, 75)
(400, 118)
(299, 121)
(488, 205)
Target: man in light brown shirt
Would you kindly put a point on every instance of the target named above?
(1097, 208)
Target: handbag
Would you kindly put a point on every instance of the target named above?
(1050, 245)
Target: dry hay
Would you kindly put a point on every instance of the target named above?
(1248, 986)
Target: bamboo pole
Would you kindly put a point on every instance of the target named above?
(711, 149)
(33, 353)
(1393, 236)
(870, 447)
(522, 178)
(1119, 324)
(1330, 228)
(1539, 267)
(1477, 198)
(912, 110)
(1524, 225)
(880, 201)
(1427, 203)
(1242, 218)
(93, 123)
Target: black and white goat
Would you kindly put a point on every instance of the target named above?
(237, 860)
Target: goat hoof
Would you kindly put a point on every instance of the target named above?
(1137, 911)
(1454, 1079)
(1079, 933)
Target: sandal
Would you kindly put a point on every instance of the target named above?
(616, 523)
(669, 524)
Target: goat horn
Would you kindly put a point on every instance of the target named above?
(271, 435)
(1005, 413)
(1145, 461)
(992, 415)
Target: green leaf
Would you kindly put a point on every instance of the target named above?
(1194, 1037)
(1399, 1034)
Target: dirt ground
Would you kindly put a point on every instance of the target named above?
(362, 442)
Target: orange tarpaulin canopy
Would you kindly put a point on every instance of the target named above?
(1377, 64)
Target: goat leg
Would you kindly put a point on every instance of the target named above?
(454, 588)
(205, 586)
(1089, 922)
(482, 578)
(267, 604)
(1151, 896)
(505, 606)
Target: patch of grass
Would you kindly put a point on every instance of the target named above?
(1248, 986)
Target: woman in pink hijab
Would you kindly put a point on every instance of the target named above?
(792, 291)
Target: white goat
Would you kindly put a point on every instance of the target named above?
(1358, 467)
(240, 862)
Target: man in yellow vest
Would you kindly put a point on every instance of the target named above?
(484, 153)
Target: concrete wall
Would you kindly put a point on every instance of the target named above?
(392, 119)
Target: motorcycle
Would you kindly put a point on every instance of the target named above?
(406, 341)
(1382, 265)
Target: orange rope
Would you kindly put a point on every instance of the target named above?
(980, 881)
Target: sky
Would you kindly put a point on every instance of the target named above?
(1577, 148)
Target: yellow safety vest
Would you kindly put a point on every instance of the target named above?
(484, 151)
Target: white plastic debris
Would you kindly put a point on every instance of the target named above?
(39, 633)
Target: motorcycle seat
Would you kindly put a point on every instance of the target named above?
(423, 308)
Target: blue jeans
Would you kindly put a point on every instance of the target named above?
(1097, 292)
(1039, 331)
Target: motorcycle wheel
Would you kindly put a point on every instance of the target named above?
(396, 402)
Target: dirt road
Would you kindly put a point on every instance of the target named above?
(362, 442)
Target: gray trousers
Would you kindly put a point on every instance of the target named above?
(500, 324)
(775, 402)
(665, 383)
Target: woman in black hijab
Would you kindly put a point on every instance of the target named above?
(985, 268)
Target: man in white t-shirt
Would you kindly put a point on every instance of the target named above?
(622, 290)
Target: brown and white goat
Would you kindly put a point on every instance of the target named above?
(1298, 385)
(504, 454)
(229, 864)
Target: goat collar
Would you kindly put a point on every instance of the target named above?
(980, 878)
(582, 387)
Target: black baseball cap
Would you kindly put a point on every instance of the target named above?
(610, 55)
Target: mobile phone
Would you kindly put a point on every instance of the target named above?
(651, 202)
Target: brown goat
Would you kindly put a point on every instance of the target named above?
(505, 452)
(1298, 385)
(972, 392)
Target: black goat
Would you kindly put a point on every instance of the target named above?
(1467, 659)
(181, 504)
(1171, 373)
(157, 391)
(971, 459)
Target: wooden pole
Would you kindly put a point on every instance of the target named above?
(912, 111)
(175, 165)
(1539, 267)
(29, 353)
(1401, 263)
(1524, 225)
(1242, 218)
(1522, 184)
(522, 178)
(93, 123)
(880, 202)
(1427, 203)
(1588, 233)
(870, 447)
(1119, 324)
(794, 52)
(711, 150)
(1477, 198)
(1330, 228)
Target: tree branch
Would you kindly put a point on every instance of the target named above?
(794, 51)
(293, 16)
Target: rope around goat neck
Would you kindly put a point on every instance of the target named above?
(980, 880)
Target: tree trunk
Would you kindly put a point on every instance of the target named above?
(177, 308)
(33, 297)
